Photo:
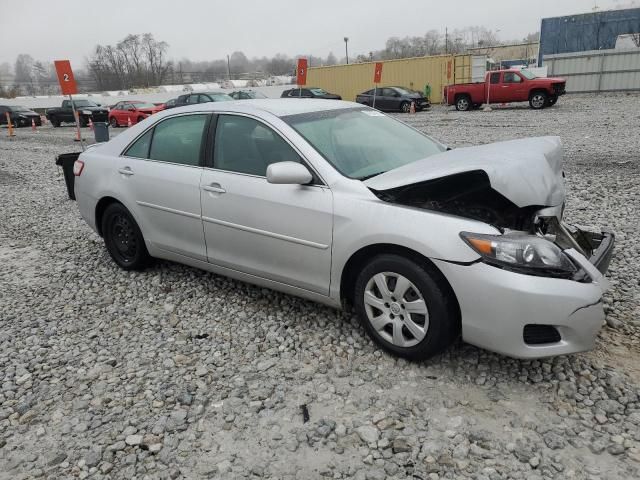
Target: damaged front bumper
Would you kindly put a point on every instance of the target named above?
(526, 316)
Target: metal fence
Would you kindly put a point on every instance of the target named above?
(597, 70)
(414, 73)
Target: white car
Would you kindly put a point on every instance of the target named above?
(344, 205)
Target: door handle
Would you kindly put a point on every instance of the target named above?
(214, 187)
(126, 171)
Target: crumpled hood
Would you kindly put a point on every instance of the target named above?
(527, 172)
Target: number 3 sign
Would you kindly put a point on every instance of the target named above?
(65, 77)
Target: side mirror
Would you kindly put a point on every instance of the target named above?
(288, 173)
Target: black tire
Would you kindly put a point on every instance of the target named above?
(443, 324)
(140, 119)
(405, 107)
(54, 121)
(84, 121)
(538, 100)
(113, 121)
(551, 101)
(123, 238)
(463, 103)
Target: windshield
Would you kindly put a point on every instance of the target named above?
(362, 142)
(318, 91)
(84, 103)
(140, 105)
(403, 91)
(220, 97)
(19, 109)
(527, 74)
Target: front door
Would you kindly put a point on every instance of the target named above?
(161, 174)
(278, 232)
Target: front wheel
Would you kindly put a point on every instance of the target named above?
(551, 101)
(538, 100)
(54, 121)
(404, 307)
(123, 238)
(405, 107)
(84, 121)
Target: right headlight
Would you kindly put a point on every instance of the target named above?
(523, 253)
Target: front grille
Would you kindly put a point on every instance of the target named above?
(559, 88)
(535, 334)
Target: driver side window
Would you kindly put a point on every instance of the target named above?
(244, 145)
(512, 77)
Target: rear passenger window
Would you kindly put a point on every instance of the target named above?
(245, 145)
(495, 77)
(178, 140)
(140, 148)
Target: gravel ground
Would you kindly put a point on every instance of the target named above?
(178, 373)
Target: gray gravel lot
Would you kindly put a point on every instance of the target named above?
(178, 373)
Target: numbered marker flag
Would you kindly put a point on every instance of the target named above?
(301, 73)
(377, 73)
(65, 77)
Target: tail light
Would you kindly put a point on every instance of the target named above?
(78, 166)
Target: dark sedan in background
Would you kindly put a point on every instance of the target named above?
(20, 116)
(311, 92)
(247, 95)
(394, 99)
(201, 97)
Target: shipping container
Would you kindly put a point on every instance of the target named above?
(588, 31)
(414, 73)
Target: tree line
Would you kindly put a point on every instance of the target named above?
(140, 60)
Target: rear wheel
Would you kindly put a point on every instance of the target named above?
(54, 121)
(123, 238)
(463, 103)
(404, 308)
(113, 122)
(538, 100)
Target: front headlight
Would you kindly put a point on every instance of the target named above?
(85, 112)
(523, 253)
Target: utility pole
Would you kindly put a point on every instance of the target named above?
(446, 41)
(346, 48)
(228, 68)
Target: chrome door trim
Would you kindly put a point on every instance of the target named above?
(266, 233)
(169, 210)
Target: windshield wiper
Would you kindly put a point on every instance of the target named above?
(367, 177)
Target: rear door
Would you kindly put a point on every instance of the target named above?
(160, 173)
(279, 232)
(494, 88)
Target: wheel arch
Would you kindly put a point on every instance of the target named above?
(535, 90)
(101, 206)
(359, 259)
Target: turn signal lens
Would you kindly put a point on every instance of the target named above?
(78, 166)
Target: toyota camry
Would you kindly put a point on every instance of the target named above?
(341, 204)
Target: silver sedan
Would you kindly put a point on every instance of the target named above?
(344, 205)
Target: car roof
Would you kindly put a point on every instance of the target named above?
(280, 107)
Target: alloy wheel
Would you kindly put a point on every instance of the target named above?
(396, 309)
(538, 100)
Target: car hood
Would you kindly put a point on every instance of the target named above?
(527, 172)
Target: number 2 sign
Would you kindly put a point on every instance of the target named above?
(65, 77)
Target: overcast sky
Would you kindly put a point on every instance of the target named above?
(206, 30)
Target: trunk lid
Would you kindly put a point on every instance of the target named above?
(528, 172)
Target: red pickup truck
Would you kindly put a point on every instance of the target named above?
(506, 86)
